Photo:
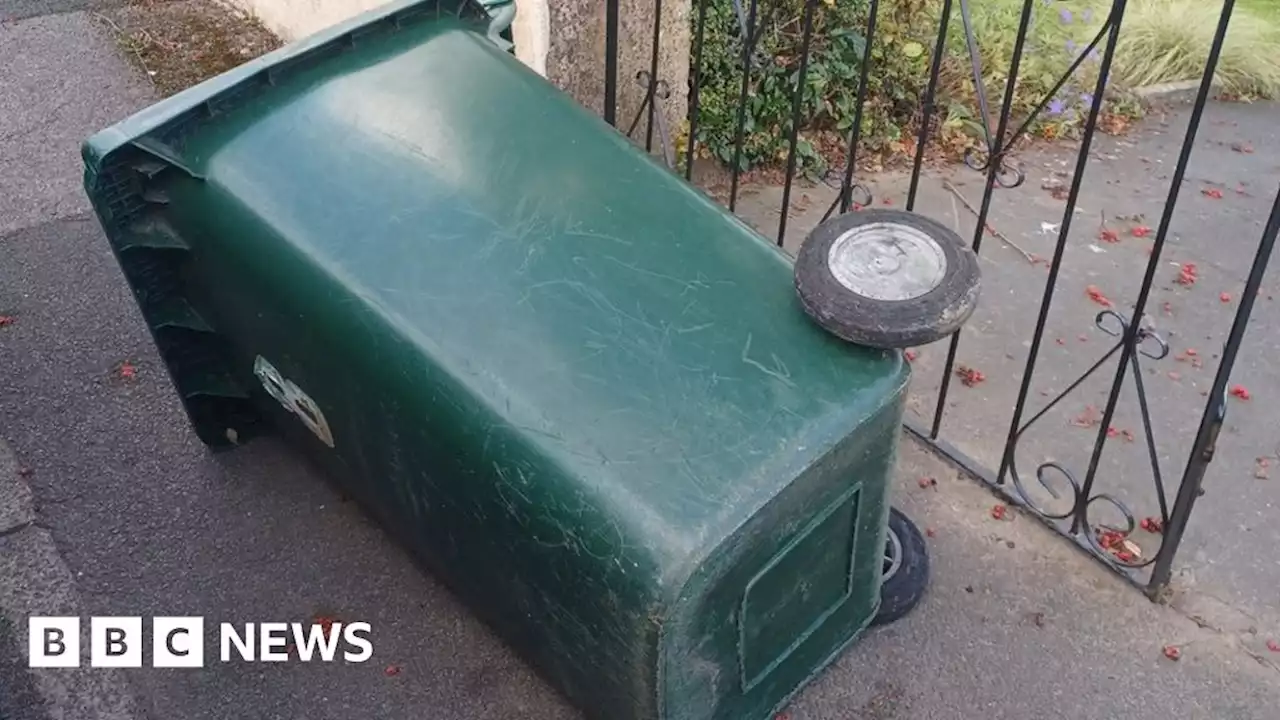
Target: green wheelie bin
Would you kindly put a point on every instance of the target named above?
(582, 393)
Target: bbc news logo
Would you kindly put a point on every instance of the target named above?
(179, 642)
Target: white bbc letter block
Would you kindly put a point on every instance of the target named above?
(115, 642)
(53, 641)
(177, 642)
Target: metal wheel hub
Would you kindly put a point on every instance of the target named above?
(885, 261)
(892, 556)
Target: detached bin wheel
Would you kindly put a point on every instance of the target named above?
(906, 569)
(887, 278)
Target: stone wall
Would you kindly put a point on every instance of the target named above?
(575, 61)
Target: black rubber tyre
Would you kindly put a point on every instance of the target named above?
(902, 588)
(887, 278)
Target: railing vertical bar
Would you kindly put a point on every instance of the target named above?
(927, 109)
(994, 161)
(653, 73)
(1068, 214)
(797, 105)
(689, 152)
(748, 49)
(611, 62)
(1214, 411)
(1166, 219)
(855, 133)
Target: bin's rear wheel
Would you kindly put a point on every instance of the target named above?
(887, 278)
(905, 572)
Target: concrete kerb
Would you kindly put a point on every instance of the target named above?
(1182, 91)
(35, 580)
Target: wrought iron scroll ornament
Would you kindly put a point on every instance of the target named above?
(1102, 539)
(655, 89)
(1010, 173)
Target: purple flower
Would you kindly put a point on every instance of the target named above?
(1086, 98)
(1093, 54)
(1055, 107)
(1071, 46)
(1088, 15)
(1065, 15)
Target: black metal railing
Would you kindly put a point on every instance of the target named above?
(1133, 341)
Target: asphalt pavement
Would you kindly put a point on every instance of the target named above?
(132, 516)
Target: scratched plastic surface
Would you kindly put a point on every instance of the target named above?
(582, 393)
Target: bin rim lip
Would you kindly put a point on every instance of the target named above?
(95, 149)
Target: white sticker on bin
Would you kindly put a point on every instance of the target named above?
(293, 399)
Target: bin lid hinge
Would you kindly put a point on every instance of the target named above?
(166, 154)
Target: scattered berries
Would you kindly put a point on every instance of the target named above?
(998, 512)
(1172, 652)
(1187, 274)
(1240, 392)
(1214, 193)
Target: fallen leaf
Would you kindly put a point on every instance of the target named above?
(1175, 375)
(1108, 236)
(1061, 341)
(1172, 652)
(969, 377)
(1245, 148)
(1240, 391)
(1225, 297)
(325, 622)
(1124, 556)
(1128, 436)
(1152, 525)
(1110, 539)
(1214, 193)
(1088, 418)
(1095, 294)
